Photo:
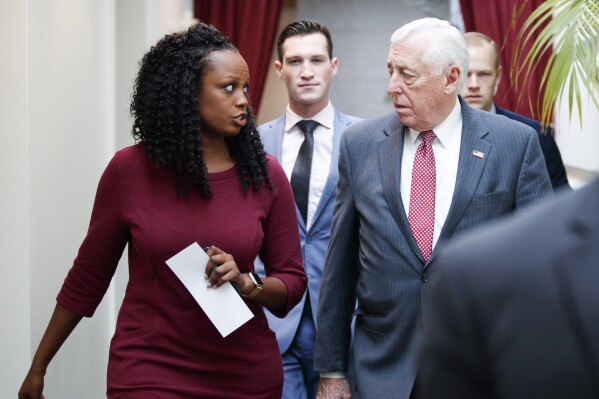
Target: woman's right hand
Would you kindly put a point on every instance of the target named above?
(33, 386)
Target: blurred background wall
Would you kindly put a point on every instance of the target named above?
(66, 75)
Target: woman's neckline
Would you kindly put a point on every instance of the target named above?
(225, 174)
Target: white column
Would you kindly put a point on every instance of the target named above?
(71, 135)
(14, 216)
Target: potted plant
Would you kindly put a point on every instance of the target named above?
(568, 29)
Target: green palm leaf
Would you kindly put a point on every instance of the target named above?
(570, 28)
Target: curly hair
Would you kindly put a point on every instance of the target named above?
(166, 115)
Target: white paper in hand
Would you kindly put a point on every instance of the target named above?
(223, 306)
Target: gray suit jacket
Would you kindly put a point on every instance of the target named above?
(374, 257)
(315, 240)
(522, 295)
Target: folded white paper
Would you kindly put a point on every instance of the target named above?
(223, 305)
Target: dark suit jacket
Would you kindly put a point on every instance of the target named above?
(374, 257)
(553, 158)
(514, 312)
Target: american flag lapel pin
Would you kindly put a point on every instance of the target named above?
(478, 154)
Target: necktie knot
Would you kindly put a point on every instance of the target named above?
(428, 136)
(307, 126)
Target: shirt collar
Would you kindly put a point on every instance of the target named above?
(446, 130)
(325, 117)
(493, 109)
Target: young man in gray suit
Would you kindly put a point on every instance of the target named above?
(514, 312)
(483, 78)
(408, 182)
(306, 65)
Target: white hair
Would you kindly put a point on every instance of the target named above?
(446, 45)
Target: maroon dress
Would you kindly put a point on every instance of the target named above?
(164, 345)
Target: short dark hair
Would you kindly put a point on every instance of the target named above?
(301, 28)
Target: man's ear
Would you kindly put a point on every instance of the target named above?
(497, 80)
(278, 68)
(453, 78)
(335, 65)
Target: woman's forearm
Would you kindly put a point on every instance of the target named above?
(61, 324)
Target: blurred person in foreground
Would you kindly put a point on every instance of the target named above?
(514, 311)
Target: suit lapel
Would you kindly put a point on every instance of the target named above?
(340, 123)
(272, 139)
(390, 152)
(470, 168)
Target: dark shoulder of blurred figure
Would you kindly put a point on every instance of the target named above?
(513, 312)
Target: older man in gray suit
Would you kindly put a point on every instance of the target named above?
(406, 186)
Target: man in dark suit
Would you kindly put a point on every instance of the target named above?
(409, 181)
(306, 65)
(514, 310)
(484, 76)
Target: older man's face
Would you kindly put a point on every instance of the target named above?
(422, 96)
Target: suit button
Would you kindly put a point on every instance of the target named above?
(424, 278)
(308, 241)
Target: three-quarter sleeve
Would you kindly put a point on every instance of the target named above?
(97, 259)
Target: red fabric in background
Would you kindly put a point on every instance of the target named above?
(252, 27)
(495, 18)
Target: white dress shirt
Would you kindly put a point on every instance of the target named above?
(447, 154)
(446, 148)
(293, 138)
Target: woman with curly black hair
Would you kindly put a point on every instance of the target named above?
(198, 173)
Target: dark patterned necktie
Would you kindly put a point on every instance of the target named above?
(422, 195)
(300, 177)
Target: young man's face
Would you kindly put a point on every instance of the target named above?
(307, 72)
(483, 77)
